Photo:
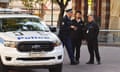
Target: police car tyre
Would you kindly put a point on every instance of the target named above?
(2, 67)
(57, 68)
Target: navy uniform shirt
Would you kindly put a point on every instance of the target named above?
(65, 29)
(92, 30)
(79, 33)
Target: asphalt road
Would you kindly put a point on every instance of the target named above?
(110, 62)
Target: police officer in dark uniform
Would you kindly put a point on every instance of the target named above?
(64, 34)
(77, 34)
(92, 30)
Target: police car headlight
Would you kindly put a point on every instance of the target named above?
(11, 44)
(57, 43)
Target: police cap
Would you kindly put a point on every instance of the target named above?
(69, 10)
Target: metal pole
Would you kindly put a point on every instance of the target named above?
(52, 13)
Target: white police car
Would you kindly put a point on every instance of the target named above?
(26, 42)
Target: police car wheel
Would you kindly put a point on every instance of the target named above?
(57, 68)
(2, 67)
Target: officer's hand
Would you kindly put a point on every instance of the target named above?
(73, 27)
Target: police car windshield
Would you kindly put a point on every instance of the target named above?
(22, 24)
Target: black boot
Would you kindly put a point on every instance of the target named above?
(98, 62)
(74, 62)
(77, 60)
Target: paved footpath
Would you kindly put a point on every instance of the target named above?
(110, 61)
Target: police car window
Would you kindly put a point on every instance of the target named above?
(22, 24)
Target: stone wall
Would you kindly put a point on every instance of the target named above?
(115, 14)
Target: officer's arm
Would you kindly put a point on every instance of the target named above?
(68, 25)
(65, 25)
(62, 25)
(96, 29)
(74, 26)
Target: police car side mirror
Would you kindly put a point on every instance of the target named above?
(53, 29)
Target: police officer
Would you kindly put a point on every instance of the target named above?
(64, 34)
(92, 41)
(77, 34)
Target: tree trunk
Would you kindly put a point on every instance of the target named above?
(60, 18)
(62, 8)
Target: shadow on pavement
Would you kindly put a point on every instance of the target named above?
(21, 70)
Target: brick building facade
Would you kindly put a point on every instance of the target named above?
(106, 12)
(4, 3)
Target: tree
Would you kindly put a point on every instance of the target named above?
(28, 3)
(62, 4)
(34, 4)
